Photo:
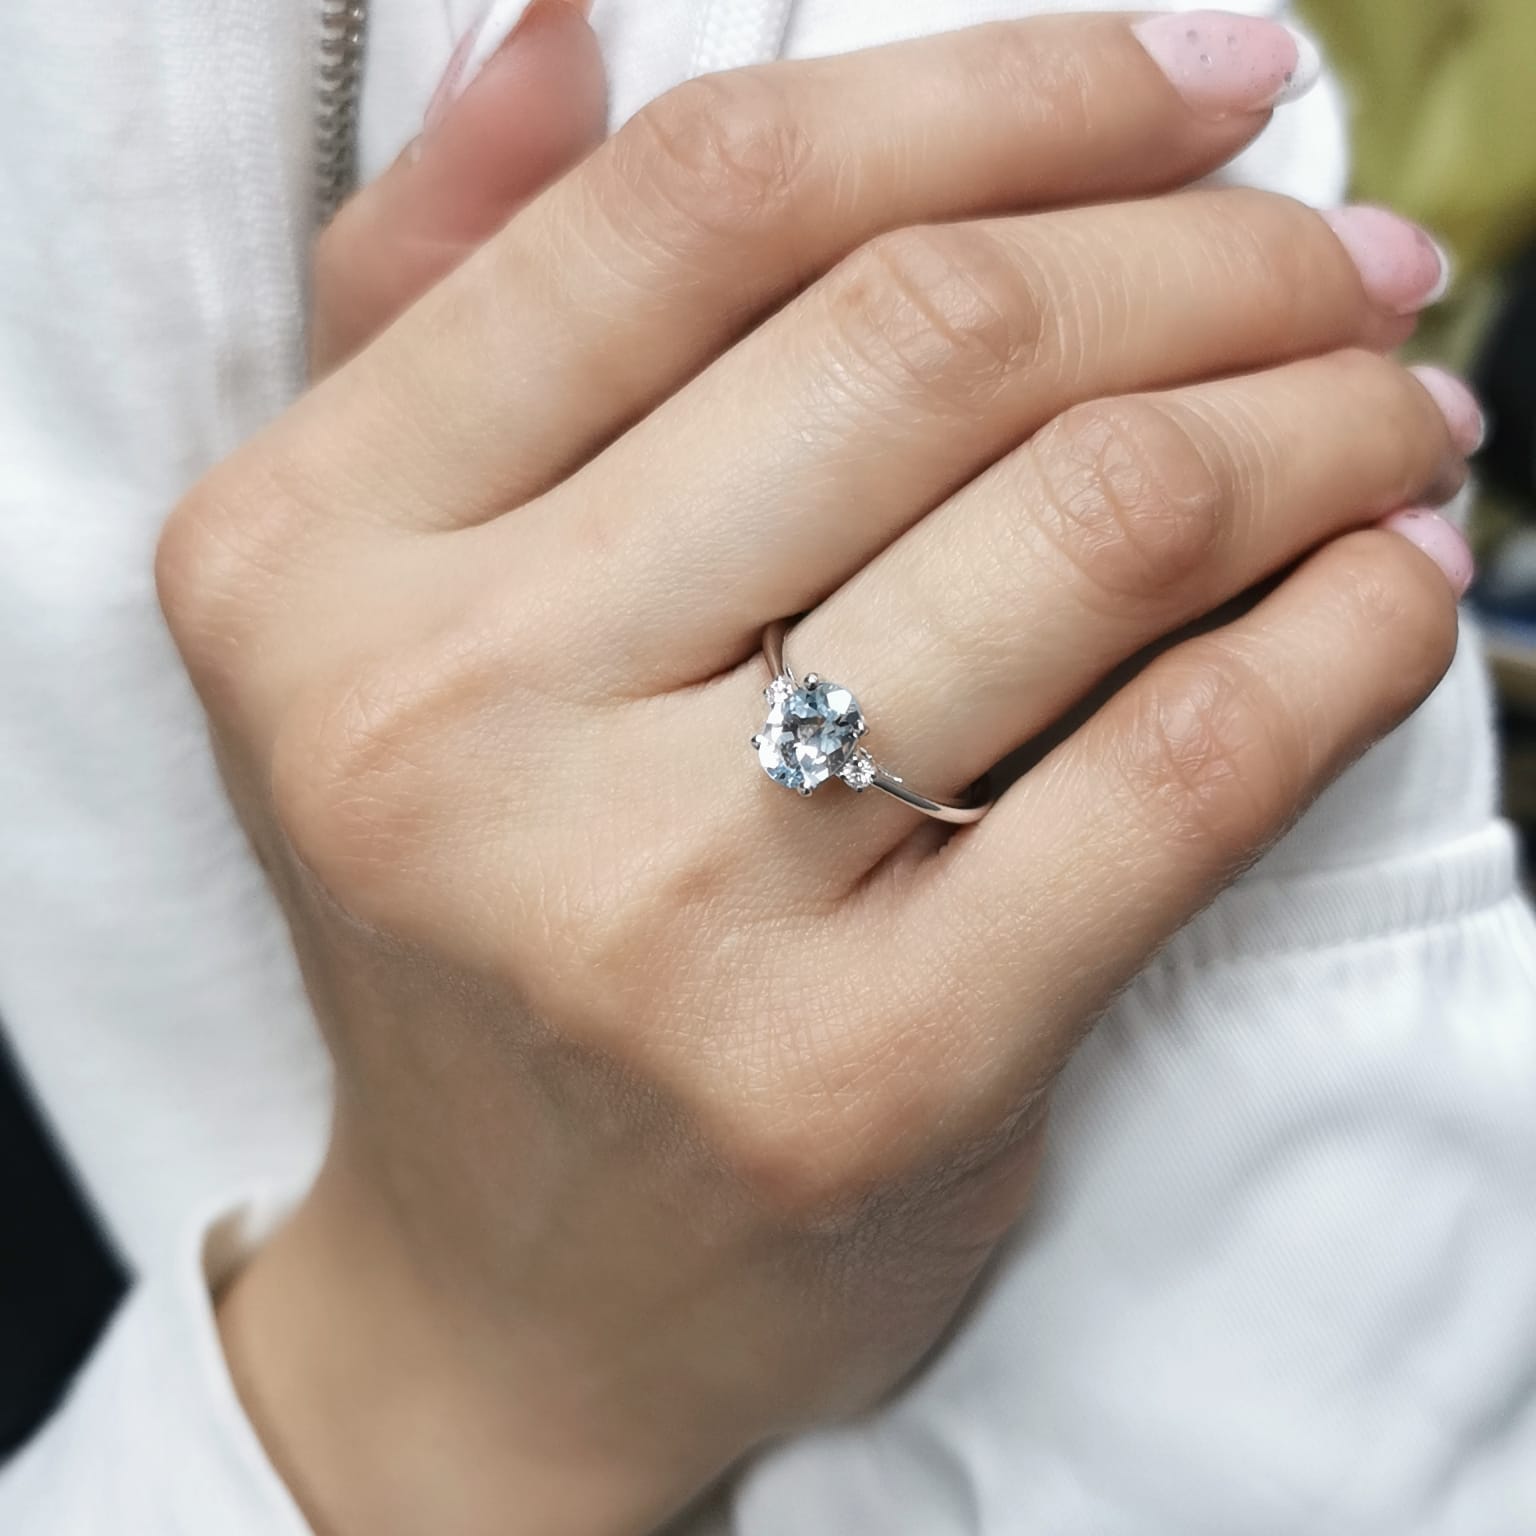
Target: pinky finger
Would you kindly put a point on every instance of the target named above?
(1131, 825)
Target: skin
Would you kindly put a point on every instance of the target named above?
(674, 1113)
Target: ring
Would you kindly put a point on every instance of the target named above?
(812, 734)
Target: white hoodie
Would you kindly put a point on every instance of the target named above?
(1281, 1274)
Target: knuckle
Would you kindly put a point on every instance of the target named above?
(1376, 596)
(943, 311)
(215, 558)
(356, 782)
(1131, 499)
(1396, 603)
(721, 154)
(193, 565)
(1213, 756)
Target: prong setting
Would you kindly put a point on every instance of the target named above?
(809, 732)
(858, 773)
(812, 734)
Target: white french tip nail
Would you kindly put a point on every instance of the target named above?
(1306, 74)
(1447, 275)
(490, 30)
(496, 25)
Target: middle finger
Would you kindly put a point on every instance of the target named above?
(799, 455)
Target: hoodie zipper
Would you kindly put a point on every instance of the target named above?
(338, 87)
(734, 33)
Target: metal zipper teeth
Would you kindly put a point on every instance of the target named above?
(338, 87)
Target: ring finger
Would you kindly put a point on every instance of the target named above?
(1123, 521)
(795, 459)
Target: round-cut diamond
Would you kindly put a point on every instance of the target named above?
(810, 732)
(859, 771)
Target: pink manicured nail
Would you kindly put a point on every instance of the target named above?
(1440, 539)
(1401, 266)
(495, 27)
(1463, 415)
(1223, 64)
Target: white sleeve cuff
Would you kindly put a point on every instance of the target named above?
(152, 1438)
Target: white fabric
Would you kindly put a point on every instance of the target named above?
(154, 1441)
(1282, 1274)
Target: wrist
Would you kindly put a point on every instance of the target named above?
(389, 1405)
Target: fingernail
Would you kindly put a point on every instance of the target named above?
(1223, 64)
(495, 27)
(1402, 268)
(1440, 539)
(1463, 415)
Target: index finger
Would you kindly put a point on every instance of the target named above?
(728, 193)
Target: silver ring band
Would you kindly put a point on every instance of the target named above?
(811, 735)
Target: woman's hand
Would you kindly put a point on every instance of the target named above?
(675, 1111)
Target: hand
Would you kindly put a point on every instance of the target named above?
(674, 1112)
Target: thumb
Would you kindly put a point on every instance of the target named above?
(522, 100)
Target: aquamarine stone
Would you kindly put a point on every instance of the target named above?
(811, 733)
